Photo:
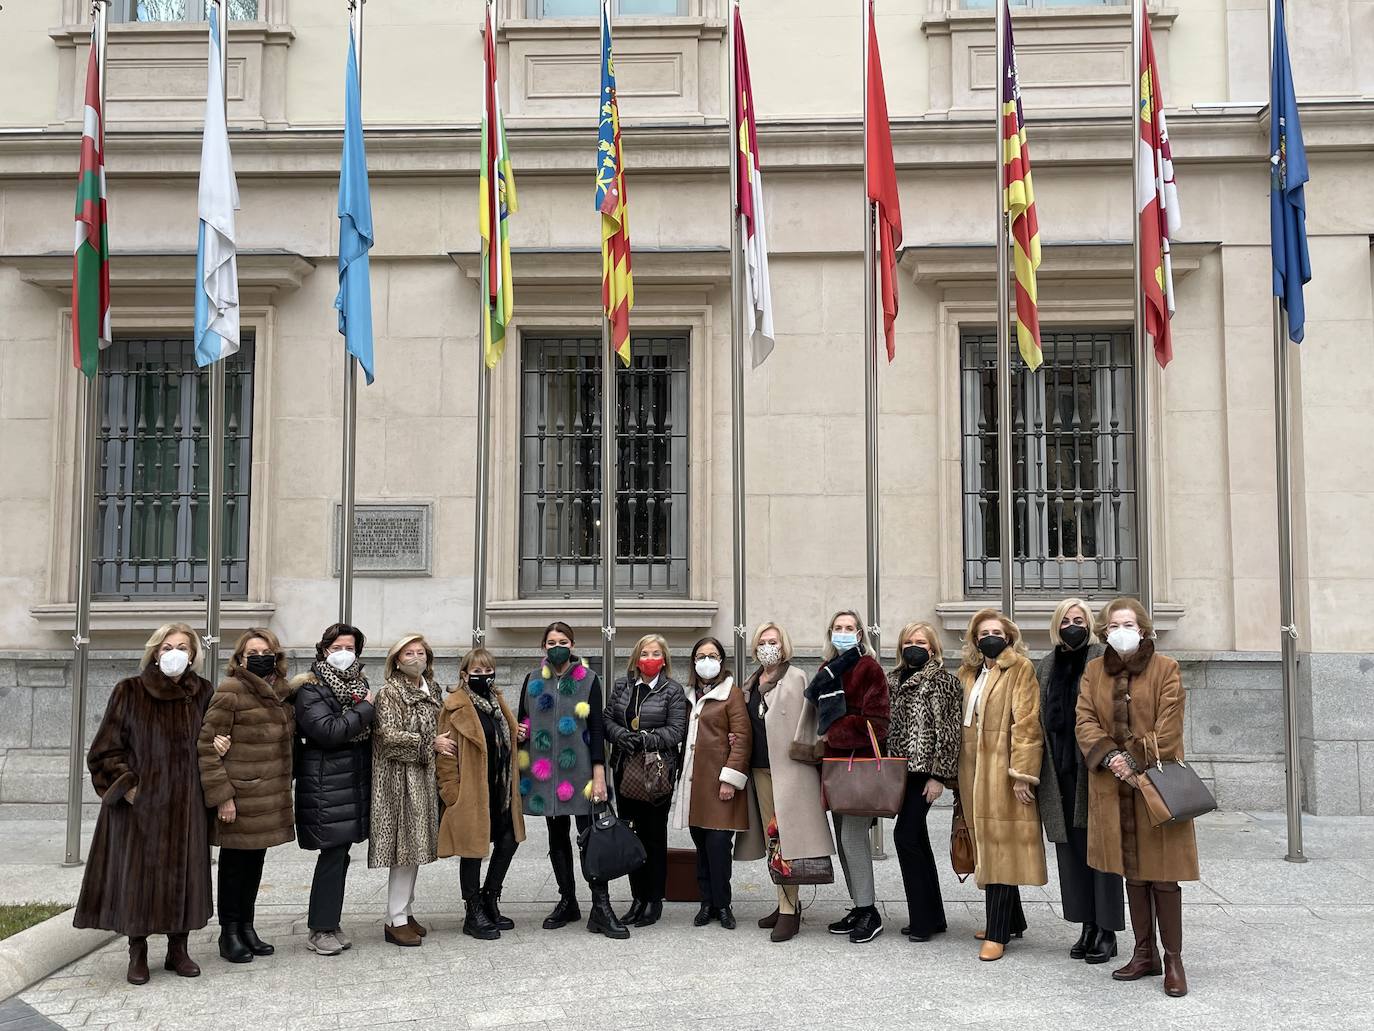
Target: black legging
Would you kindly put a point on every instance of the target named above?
(560, 841)
(925, 907)
(240, 875)
(502, 852)
(327, 888)
(649, 820)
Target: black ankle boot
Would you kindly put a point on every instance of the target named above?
(1103, 947)
(633, 914)
(1085, 942)
(232, 946)
(603, 919)
(255, 944)
(491, 903)
(653, 912)
(564, 913)
(477, 924)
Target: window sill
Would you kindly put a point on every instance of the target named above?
(147, 615)
(1033, 614)
(960, 20)
(636, 616)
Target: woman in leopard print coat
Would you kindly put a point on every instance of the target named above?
(927, 707)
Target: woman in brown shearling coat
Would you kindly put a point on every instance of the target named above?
(1130, 712)
(245, 772)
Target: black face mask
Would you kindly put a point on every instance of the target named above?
(915, 656)
(993, 646)
(260, 665)
(481, 681)
(1074, 637)
(559, 655)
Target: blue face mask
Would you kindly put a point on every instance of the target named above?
(844, 640)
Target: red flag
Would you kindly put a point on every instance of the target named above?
(882, 185)
(1157, 200)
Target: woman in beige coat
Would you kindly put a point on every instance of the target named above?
(1130, 715)
(999, 769)
(785, 782)
(405, 811)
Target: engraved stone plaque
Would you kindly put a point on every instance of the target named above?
(389, 539)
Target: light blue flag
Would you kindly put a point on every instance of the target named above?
(1288, 173)
(217, 269)
(355, 227)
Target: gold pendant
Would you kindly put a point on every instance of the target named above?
(634, 723)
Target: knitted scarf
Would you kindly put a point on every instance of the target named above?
(1061, 702)
(826, 690)
(349, 688)
(499, 764)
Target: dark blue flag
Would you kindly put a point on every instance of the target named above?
(1288, 173)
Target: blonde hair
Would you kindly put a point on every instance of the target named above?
(477, 657)
(1062, 609)
(160, 635)
(1147, 625)
(783, 639)
(236, 661)
(389, 668)
(828, 651)
(632, 667)
(937, 648)
(969, 655)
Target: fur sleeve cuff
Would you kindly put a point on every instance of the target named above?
(1093, 758)
(215, 794)
(734, 778)
(1024, 778)
(122, 785)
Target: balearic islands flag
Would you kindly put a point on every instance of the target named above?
(1157, 196)
(1287, 203)
(882, 185)
(495, 202)
(217, 261)
(91, 252)
(617, 282)
(758, 306)
(354, 300)
(1018, 201)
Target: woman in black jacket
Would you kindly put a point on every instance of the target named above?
(647, 713)
(334, 717)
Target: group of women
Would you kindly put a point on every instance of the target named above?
(331, 760)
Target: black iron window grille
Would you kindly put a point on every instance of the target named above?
(152, 494)
(560, 467)
(1073, 448)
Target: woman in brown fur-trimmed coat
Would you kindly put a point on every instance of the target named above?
(245, 773)
(999, 770)
(1130, 711)
(148, 871)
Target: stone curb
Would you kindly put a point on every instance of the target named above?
(43, 949)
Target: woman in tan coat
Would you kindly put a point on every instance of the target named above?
(405, 811)
(999, 769)
(1130, 715)
(711, 801)
(480, 786)
(245, 773)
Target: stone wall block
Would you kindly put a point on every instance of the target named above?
(1342, 696)
(1334, 784)
(38, 777)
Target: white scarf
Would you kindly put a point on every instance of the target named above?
(682, 803)
(975, 698)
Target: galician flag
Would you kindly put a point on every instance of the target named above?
(1156, 195)
(617, 281)
(495, 202)
(1287, 204)
(1018, 201)
(758, 299)
(91, 253)
(882, 185)
(354, 300)
(217, 254)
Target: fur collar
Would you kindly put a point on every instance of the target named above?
(164, 689)
(719, 693)
(411, 693)
(1133, 665)
(280, 690)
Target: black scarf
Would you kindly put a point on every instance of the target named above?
(1061, 704)
(349, 688)
(826, 690)
(498, 762)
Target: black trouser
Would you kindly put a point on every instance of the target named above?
(240, 874)
(502, 852)
(1004, 914)
(1089, 896)
(327, 888)
(649, 820)
(925, 908)
(714, 857)
(560, 842)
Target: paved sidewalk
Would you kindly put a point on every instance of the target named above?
(1268, 945)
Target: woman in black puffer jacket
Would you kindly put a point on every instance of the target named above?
(334, 717)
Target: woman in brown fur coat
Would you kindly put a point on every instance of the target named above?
(148, 871)
(1130, 714)
(245, 773)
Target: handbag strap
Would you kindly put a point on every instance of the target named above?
(873, 738)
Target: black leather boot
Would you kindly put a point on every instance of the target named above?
(567, 910)
(491, 903)
(653, 912)
(1085, 942)
(635, 911)
(232, 945)
(477, 924)
(254, 943)
(1103, 947)
(603, 919)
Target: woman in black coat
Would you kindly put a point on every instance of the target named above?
(334, 717)
(148, 871)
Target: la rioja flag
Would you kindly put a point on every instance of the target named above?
(1157, 201)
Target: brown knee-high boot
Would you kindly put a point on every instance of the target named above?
(1168, 901)
(1145, 960)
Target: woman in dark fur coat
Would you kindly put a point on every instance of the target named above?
(148, 871)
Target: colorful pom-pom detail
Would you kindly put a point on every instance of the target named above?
(566, 686)
(567, 759)
(545, 672)
(525, 723)
(535, 688)
(587, 791)
(543, 740)
(582, 710)
(542, 769)
(545, 702)
(535, 805)
(565, 791)
(567, 725)
(587, 737)
(522, 759)
(580, 673)
(525, 785)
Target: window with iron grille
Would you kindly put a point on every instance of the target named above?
(152, 492)
(560, 467)
(177, 10)
(1073, 449)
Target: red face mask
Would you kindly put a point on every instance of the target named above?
(649, 668)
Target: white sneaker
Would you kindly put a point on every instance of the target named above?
(324, 943)
(344, 940)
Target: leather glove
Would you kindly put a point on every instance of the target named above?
(632, 743)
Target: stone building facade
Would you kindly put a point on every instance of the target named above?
(1210, 435)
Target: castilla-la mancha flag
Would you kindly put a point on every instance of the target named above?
(758, 293)
(91, 253)
(882, 186)
(1157, 202)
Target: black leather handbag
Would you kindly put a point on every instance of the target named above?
(609, 848)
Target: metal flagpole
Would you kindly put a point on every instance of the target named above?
(1288, 623)
(214, 535)
(1144, 352)
(1006, 499)
(479, 546)
(871, 486)
(608, 483)
(350, 401)
(85, 507)
(737, 302)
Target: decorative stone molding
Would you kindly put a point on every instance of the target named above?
(569, 266)
(261, 273)
(633, 617)
(142, 616)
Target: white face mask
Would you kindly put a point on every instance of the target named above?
(770, 655)
(341, 660)
(1124, 640)
(173, 663)
(707, 667)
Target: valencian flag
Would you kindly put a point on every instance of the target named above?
(91, 253)
(217, 261)
(354, 299)
(882, 185)
(1287, 205)
(617, 283)
(1018, 201)
(1157, 197)
(758, 307)
(495, 202)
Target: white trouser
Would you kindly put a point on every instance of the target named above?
(400, 894)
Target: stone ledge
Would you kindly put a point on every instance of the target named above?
(632, 617)
(1033, 614)
(125, 616)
